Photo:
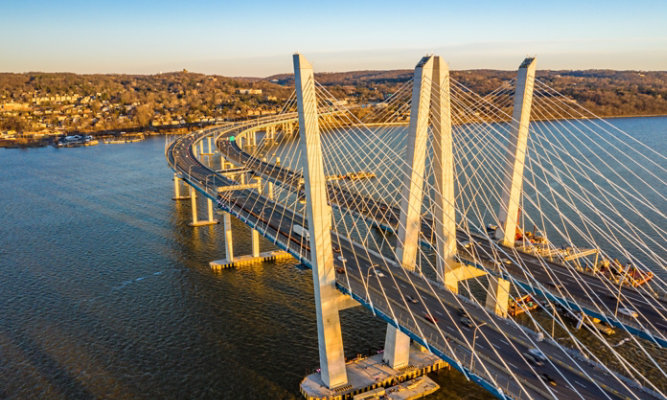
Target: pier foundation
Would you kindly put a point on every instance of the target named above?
(371, 375)
(266, 256)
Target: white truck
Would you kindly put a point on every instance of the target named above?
(301, 231)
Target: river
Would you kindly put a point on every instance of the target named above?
(105, 292)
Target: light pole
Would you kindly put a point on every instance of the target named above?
(474, 337)
(620, 286)
(372, 267)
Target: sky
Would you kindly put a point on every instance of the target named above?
(257, 38)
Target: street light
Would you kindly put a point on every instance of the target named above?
(620, 286)
(474, 337)
(372, 267)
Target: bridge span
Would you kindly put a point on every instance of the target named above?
(508, 359)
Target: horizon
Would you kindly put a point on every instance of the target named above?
(257, 40)
(316, 73)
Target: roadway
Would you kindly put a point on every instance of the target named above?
(387, 296)
(572, 288)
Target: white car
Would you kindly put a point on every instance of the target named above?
(377, 273)
(341, 259)
(628, 312)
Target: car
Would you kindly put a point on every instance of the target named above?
(467, 322)
(411, 299)
(466, 244)
(430, 318)
(628, 312)
(537, 353)
(533, 360)
(545, 377)
(341, 259)
(336, 249)
(376, 270)
(340, 270)
(506, 260)
(461, 312)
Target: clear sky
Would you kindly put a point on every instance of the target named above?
(257, 38)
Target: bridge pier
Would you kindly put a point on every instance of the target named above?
(254, 232)
(498, 296)
(269, 189)
(270, 133)
(177, 189)
(256, 257)
(229, 239)
(224, 164)
(195, 218)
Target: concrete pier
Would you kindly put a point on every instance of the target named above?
(195, 218)
(266, 256)
(177, 189)
(371, 373)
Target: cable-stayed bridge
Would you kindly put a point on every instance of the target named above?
(424, 225)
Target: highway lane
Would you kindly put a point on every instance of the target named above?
(279, 226)
(577, 288)
(577, 291)
(390, 297)
(571, 382)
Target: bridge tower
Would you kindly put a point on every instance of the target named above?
(516, 153)
(397, 344)
(329, 335)
(443, 158)
(497, 299)
(449, 271)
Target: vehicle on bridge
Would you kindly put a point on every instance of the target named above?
(301, 231)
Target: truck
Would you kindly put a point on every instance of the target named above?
(301, 231)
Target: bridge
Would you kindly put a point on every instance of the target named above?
(416, 211)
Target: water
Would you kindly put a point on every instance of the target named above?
(105, 292)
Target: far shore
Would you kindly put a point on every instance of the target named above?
(26, 142)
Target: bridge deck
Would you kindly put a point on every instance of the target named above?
(576, 287)
(498, 351)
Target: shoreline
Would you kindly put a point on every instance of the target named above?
(23, 143)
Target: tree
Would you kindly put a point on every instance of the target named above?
(13, 123)
(144, 114)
